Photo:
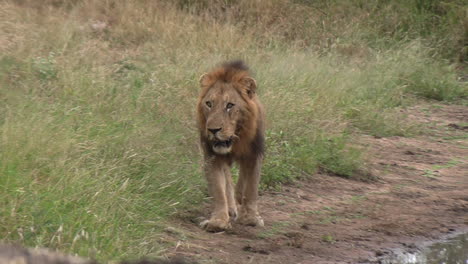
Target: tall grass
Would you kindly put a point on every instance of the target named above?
(98, 143)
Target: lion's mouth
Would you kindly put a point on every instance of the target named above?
(222, 144)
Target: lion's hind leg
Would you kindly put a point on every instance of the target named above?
(232, 207)
(239, 193)
(249, 179)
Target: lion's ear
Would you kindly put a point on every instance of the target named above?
(251, 85)
(203, 79)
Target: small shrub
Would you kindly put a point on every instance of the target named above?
(45, 67)
(432, 83)
(381, 122)
(292, 158)
(334, 155)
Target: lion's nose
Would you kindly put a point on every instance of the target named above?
(214, 130)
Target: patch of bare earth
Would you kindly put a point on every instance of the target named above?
(421, 193)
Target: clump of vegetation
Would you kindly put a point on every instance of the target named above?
(97, 134)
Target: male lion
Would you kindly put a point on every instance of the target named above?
(231, 123)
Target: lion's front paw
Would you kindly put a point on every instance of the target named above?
(233, 213)
(215, 225)
(250, 220)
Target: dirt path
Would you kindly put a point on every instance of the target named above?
(421, 193)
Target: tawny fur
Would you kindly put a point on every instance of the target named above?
(231, 83)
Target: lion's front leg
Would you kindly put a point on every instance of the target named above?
(219, 220)
(249, 179)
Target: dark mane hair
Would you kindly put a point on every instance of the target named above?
(231, 71)
(238, 65)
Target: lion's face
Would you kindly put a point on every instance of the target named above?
(222, 107)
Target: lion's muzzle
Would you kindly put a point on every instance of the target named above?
(222, 146)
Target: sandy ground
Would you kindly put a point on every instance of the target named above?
(420, 193)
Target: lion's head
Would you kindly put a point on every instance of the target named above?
(228, 110)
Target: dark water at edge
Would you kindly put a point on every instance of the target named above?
(449, 251)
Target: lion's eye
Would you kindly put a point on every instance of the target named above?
(208, 103)
(229, 106)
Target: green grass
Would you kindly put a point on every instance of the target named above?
(98, 143)
(328, 239)
(433, 172)
(276, 228)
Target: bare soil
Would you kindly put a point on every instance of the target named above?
(420, 193)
